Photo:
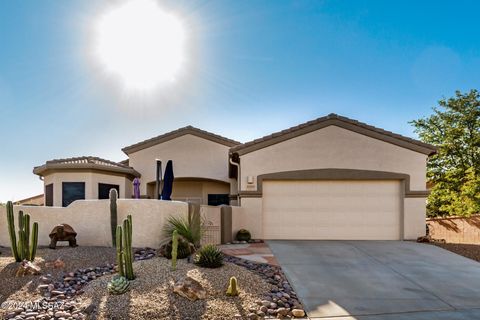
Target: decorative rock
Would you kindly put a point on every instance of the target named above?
(282, 311)
(190, 289)
(252, 316)
(27, 268)
(298, 313)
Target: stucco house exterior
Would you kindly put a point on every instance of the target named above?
(329, 178)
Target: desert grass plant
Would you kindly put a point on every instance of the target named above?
(190, 229)
(209, 256)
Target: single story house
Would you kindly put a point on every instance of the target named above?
(329, 178)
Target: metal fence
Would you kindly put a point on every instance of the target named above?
(211, 235)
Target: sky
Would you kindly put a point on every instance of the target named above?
(252, 68)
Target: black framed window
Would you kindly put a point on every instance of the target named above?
(104, 190)
(218, 199)
(49, 195)
(72, 191)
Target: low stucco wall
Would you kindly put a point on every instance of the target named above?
(91, 220)
(456, 229)
(414, 218)
(238, 221)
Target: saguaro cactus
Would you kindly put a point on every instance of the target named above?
(113, 214)
(120, 263)
(11, 231)
(174, 249)
(124, 249)
(26, 247)
(127, 236)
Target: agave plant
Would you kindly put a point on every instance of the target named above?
(209, 256)
(118, 285)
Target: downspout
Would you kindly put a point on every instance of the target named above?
(239, 178)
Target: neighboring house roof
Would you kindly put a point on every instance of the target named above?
(86, 162)
(339, 121)
(34, 200)
(178, 133)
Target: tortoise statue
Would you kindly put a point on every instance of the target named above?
(63, 232)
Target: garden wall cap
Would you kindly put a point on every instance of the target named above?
(178, 133)
(339, 121)
(85, 162)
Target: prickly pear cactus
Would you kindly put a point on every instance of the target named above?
(118, 285)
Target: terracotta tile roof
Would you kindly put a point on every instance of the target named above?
(178, 133)
(85, 162)
(340, 121)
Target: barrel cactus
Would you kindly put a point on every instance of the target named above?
(243, 235)
(209, 256)
(232, 287)
(118, 285)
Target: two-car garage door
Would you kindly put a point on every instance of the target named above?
(332, 209)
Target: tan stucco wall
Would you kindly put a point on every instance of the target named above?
(252, 216)
(414, 215)
(91, 220)
(91, 179)
(334, 147)
(193, 157)
(238, 220)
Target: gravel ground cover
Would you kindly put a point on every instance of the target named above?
(18, 290)
(81, 287)
(471, 251)
(79, 257)
(151, 295)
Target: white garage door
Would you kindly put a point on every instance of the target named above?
(331, 210)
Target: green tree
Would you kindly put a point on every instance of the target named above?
(454, 127)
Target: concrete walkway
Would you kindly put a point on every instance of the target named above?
(373, 280)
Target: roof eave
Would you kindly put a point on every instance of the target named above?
(342, 122)
(176, 134)
(41, 170)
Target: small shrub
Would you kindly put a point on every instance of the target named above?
(184, 249)
(209, 256)
(243, 235)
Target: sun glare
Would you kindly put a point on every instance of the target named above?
(141, 44)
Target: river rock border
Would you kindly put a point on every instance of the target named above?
(281, 302)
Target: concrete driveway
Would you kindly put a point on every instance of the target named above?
(380, 279)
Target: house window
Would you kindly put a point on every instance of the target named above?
(218, 199)
(72, 191)
(49, 195)
(104, 190)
